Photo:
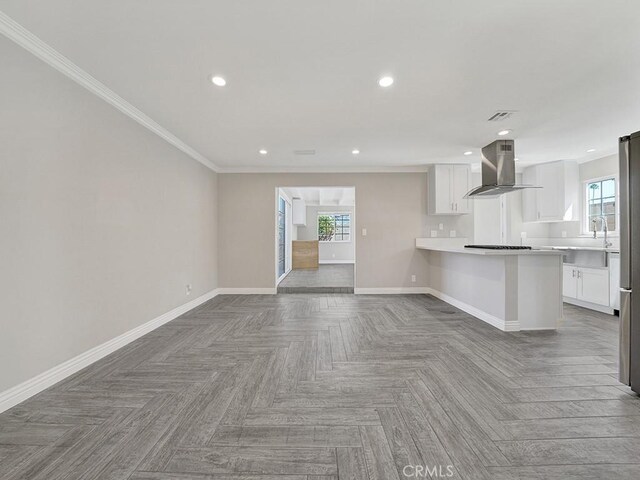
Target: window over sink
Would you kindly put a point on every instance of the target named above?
(601, 204)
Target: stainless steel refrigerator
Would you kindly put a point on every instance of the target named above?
(630, 261)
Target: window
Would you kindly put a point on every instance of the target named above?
(334, 227)
(601, 202)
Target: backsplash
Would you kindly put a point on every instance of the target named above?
(456, 226)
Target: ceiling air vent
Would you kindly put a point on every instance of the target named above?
(304, 152)
(501, 115)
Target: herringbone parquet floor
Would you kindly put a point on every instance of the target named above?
(297, 387)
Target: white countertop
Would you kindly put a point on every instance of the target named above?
(426, 244)
(569, 247)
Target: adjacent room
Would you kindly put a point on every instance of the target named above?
(315, 240)
(319, 240)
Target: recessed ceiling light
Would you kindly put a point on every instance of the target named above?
(385, 81)
(469, 152)
(591, 150)
(355, 151)
(218, 81)
(262, 151)
(504, 132)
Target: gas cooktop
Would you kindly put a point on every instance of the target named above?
(500, 247)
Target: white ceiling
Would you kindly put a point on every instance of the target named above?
(303, 74)
(324, 196)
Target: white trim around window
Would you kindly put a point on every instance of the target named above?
(584, 222)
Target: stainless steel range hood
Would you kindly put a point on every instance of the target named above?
(498, 171)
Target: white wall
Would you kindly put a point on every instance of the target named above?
(601, 167)
(339, 252)
(102, 223)
(487, 221)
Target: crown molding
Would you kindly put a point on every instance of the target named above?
(34, 45)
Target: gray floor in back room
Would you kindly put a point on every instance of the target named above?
(327, 278)
(326, 387)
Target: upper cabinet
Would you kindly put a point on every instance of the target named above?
(448, 184)
(558, 200)
(299, 212)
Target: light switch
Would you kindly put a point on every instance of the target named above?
(441, 226)
(364, 232)
(452, 234)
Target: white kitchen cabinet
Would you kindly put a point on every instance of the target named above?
(299, 212)
(559, 198)
(593, 285)
(569, 281)
(461, 185)
(614, 280)
(448, 184)
(586, 284)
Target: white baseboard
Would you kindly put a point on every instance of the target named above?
(29, 388)
(484, 316)
(589, 305)
(336, 262)
(391, 290)
(246, 291)
(505, 326)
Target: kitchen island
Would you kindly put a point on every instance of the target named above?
(512, 290)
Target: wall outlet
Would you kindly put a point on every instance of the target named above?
(333, 255)
(413, 278)
(523, 235)
(564, 234)
(434, 233)
(364, 232)
(441, 226)
(452, 234)
(188, 289)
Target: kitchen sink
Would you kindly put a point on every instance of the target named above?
(595, 258)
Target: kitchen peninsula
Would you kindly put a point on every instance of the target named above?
(512, 290)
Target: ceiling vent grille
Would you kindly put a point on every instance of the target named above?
(304, 152)
(501, 115)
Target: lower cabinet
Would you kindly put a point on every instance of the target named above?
(586, 284)
(569, 281)
(593, 285)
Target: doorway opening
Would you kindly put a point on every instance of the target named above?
(315, 239)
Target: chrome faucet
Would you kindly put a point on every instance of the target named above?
(606, 241)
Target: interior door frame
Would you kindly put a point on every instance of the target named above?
(354, 233)
(288, 227)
